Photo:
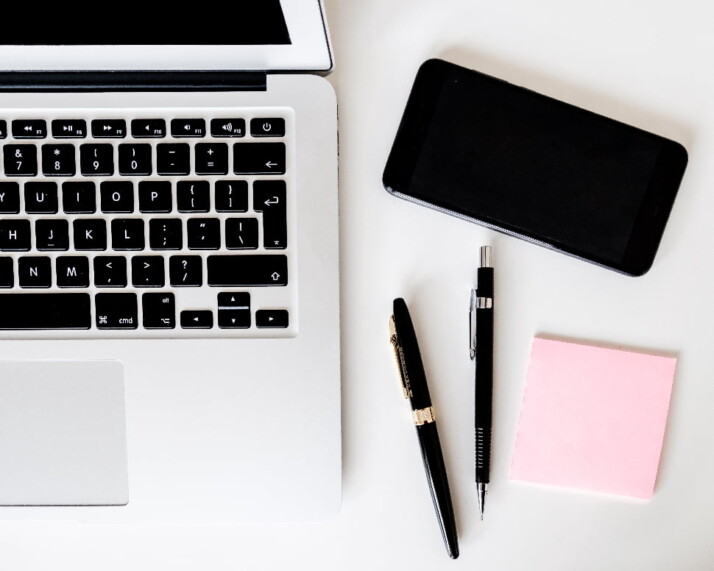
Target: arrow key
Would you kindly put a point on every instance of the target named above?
(277, 318)
(234, 310)
(197, 319)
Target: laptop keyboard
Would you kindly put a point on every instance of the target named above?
(137, 224)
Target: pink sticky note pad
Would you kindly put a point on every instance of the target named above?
(593, 418)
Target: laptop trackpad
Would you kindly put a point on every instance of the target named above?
(62, 433)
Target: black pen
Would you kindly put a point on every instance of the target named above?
(481, 339)
(413, 379)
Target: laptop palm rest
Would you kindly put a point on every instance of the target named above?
(62, 433)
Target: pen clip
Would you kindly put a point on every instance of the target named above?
(472, 325)
(399, 357)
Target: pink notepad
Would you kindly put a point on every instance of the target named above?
(593, 418)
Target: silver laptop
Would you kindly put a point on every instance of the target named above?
(169, 316)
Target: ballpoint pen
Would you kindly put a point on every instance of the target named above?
(413, 381)
(481, 341)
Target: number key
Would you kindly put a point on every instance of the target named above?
(135, 160)
(20, 160)
(96, 160)
(58, 160)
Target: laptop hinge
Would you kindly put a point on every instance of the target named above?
(132, 81)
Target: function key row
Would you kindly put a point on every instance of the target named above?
(139, 159)
(120, 311)
(142, 128)
(35, 272)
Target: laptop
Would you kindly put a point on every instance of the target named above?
(169, 297)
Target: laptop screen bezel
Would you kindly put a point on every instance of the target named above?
(309, 50)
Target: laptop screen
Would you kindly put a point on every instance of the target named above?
(249, 22)
(247, 35)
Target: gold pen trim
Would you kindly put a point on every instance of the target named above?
(424, 416)
(399, 358)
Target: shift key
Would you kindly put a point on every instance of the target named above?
(247, 270)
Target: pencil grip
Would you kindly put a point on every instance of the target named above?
(483, 392)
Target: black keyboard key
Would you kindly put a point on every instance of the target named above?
(52, 235)
(196, 319)
(9, 197)
(159, 310)
(109, 128)
(20, 160)
(165, 234)
(155, 196)
(231, 196)
(72, 271)
(58, 160)
(188, 127)
(277, 318)
(96, 160)
(211, 158)
(15, 235)
(41, 198)
(29, 129)
(247, 270)
(117, 196)
(128, 234)
(148, 128)
(69, 128)
(148, 271)
(193, 196)
(234, 310)
(269, 198)
(3, 129)
(203, 233)
(228, 127)
(135, 160)
(79, 198)
(45, 311)
(90, 234)
(242, 233)
(110, 271)
(7, 275)
(34, 271)
(186, 271)
(173, 159)
(267, 127)
(259, 158)
(116, 311)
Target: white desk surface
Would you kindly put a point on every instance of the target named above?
(645, 62)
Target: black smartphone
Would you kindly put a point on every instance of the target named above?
(534, 167)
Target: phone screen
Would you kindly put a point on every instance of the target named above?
(536, 167)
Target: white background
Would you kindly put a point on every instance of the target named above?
(649, 63)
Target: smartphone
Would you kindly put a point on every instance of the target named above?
(480, 148)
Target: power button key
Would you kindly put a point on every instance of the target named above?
(267, 127)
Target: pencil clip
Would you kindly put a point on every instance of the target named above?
(399, 357)
(472, 325)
